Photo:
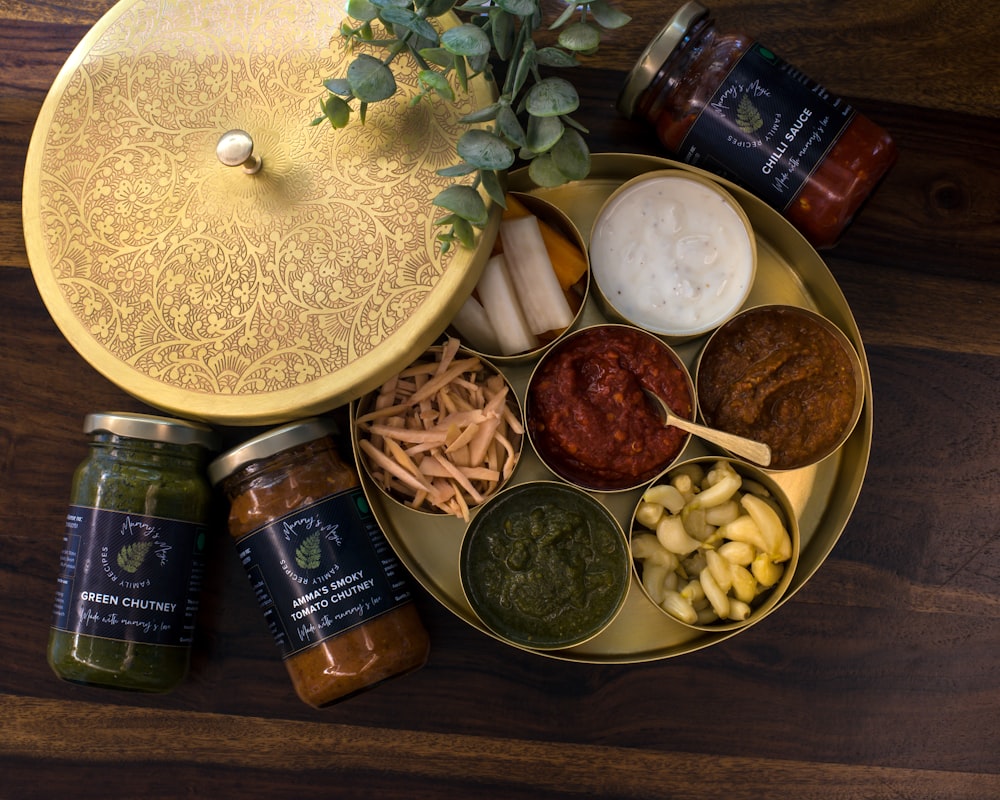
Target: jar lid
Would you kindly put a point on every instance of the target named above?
(270, 443)
(152, 428)
(656, 52)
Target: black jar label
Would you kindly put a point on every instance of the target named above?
(767, 127)
(321, 570)
(129, 577)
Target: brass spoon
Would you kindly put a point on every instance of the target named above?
(758, 452)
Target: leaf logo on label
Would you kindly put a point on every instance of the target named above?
(131, 556)
(748, 118)
(307, 555)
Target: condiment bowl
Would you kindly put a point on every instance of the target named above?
(587, 414)
(443, 435)
(508, 320)
(714, 543)
(786, 376)
(672, 252)
(544, 566)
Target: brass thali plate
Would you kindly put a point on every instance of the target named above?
(823, 496)
(235, 298)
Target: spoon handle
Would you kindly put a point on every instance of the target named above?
(758, 452)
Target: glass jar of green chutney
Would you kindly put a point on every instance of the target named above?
(132, 561)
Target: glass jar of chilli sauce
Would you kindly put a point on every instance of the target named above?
(133, 554)
(335, 597)
(727, 104)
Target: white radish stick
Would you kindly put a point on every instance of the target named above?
(542, 299)
(503, 309)
(475, 328)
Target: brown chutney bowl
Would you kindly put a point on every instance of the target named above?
(783, 375)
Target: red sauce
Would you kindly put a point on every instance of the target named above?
(588, 415)
(686, 83)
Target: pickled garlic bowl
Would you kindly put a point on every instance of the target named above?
(783, 375)
(442, 435)
(673, 253)
(714, 543)
(545, 565)
(587, 414)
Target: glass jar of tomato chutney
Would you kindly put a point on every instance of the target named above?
(725, 103)
(336, 599)
(133, 554)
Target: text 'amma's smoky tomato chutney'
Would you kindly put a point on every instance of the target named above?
(588, 414)
(784, 376)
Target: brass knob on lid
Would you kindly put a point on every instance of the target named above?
(235, 149)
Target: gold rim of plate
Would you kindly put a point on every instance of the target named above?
(234, 298)
(823, 495)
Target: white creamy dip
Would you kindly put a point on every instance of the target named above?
(672, 255)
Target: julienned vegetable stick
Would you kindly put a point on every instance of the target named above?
(475, 327)
(503, 309)
(568, 261)
(542, 299)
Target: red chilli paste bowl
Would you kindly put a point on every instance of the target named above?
(587, 413)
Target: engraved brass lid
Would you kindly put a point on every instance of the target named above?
(209, 251)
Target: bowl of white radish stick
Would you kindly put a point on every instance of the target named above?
(443, 435)
(714, 543)
(533, 287)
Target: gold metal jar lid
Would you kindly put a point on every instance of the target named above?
(270, 443)
(287, 284)
(658, 51)
(151, 428)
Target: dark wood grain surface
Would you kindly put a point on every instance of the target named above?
(879, 679)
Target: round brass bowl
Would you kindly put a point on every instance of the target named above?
(545, 566)
(791, 412)
(672, 570)
(555, 224)
(695, 268)
(572, 387)
(434, 443)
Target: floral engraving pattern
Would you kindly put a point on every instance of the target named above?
(208, 279)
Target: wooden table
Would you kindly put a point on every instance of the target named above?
(878, 679)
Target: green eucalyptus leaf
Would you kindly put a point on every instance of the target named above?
(484, 149)
(564, 17)
(437, 56)
(466, 40)
(519, 8)
(571, 156)
(462, 73)
(555, 57)
(337, 111)
(569, 122)
(504, 32)
(390, 3)
(338, 86)
(438, 8)
(494, 187)
(580, 37)
(409, 20)
(551, 97)
(436, 82)
(464, 201)
(510, 126)
(484, 114)
(463, 230)
(361, 10)
(543, 133)
(370, 80)
(478, 64)
(457, 170)
(527, 62)
(608, 16)
(543, 171)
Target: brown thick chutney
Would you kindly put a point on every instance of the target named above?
(777, 374)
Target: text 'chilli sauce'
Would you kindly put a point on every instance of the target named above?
(727, 104)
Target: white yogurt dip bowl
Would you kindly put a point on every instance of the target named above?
(673, 253)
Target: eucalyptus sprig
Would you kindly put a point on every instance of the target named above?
(530, 120)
